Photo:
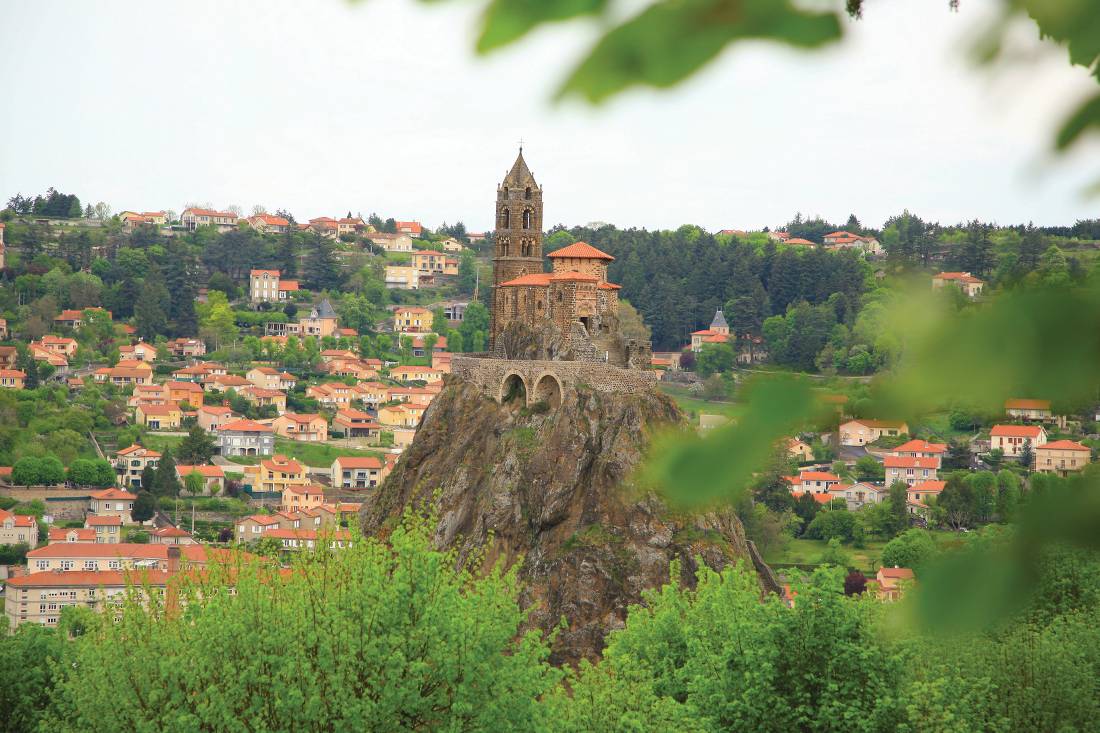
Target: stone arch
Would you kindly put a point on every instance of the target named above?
(513, 385)
(528, 217)
(548, 389)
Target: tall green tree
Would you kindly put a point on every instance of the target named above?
(323, 270)
(180, 272)
(197, 447)
(151, 308)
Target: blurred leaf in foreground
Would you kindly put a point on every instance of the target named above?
(670, 40)
(506, 21)
(693, 472)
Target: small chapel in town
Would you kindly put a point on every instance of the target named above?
(569, 313)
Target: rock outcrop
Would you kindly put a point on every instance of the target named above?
(551, 487)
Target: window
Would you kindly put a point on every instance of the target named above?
(114, 564)
(527, 193)
(90, 564)
(526, 218)
(67, 564)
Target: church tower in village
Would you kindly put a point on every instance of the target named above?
(517, 240)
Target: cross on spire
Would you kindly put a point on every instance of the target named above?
(521, 145)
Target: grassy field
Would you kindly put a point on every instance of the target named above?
(693, 406)
(160, 442)
(809, 552)
(311, 454)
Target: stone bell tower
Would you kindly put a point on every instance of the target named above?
(517, 240)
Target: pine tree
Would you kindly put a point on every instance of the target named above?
(150, 310)
(323, 272)
(179, 277)
(166, 482)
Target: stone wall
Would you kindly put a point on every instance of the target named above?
(495, 377)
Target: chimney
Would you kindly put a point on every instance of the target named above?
(173, 559)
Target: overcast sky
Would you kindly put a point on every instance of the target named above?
(324, 107)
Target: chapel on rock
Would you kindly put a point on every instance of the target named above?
(567, 314)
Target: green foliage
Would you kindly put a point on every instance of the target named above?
(26, 674)
(869, 469)
(410, 639)
(835, 554)
(714, 359)
(87, 472)
(145, 505)
(196, 448)
(912, 549)
(833, 523)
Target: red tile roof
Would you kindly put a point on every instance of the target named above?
(1027, 404)
(1065, 445)
(358, 462)
(581, 250)
(113, 493)
(818, 476)
(536, 278)
(204, 471)
(96, 521)
(245, 426)
(1016, 431)
(921, 446)
(928, 487)
(963, 277)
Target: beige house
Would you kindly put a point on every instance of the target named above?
(910, 469)
(12, 378)
(112, 503)
(186, 348)
(1062, 457)
(193, 218)
(297, 497)
(130, 462)
(892, 582)
(966, 282)
(308, 428)
(412, 319)
(392, 242)
(263, 397)
(269, 378)
(18, 529)
(158, 417)
(862, 432)
(268, 224)
(402, 277)
(267, 286)
(211, 417)
(92, 557)
(1012, 438)
(354, 472)
(1022, 409)
(39, 598)
(404, 415)
(416, 374)
(140, 351)
(799, 450)
(279, 473)
(334, 395)
(108, 529)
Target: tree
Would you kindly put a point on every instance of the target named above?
(1008, 495)
(631, 323)
(835, 554)
(714, 359)
(27, 471)
(194, 483)
(854, 583)
(150, 317)
(475, 327)
(898, 498)
(87, 472)
(149, 478)
(323, 271)
(869, 469)
(447, 651)
(958, 456)
(217, 323)
(145, 506)
(715, 388)
(838, 523)
(196, 448)
(166, 483)
(467, 271)
(179, 276)
(994, 458)
(912, 549)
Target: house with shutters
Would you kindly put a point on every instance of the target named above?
(356, 472)
(193, 218)
(131, 461)
(309, 428)
(245, 438)
(1012, 438)
(910, 469)
(1062, 457)
(112, 503)
(18, 529)
(108, 529)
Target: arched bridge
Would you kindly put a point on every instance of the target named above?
(546, 381)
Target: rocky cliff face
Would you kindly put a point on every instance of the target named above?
(551, 488)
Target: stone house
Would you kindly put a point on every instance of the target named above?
(112, 503)
(1062, 457)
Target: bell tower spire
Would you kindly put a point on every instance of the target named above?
(517, 239)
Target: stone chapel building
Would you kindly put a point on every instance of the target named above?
(569, 313)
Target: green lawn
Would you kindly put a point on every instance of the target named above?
(160, 442)
(809, 552)
(693, 406)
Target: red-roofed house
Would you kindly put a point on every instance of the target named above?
(71, 534)
(211, 417)
(919, 492)
(892, 581)
(1062, 457)
(352, 472)
(193, 218)
(355, 424)
(863, 431)
(814, 482)
(302, 496)
(412, 228)
(1029, 409)
(245, 438)
(131, 461)
(112, 503)
(171, 536)
(910, 469)
(18, 529)
(1011, 438)
(302, 427)
(108, 530)
(213, 477)
(846, 240)
(268, 223)
(966, 282)
(717, 333)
